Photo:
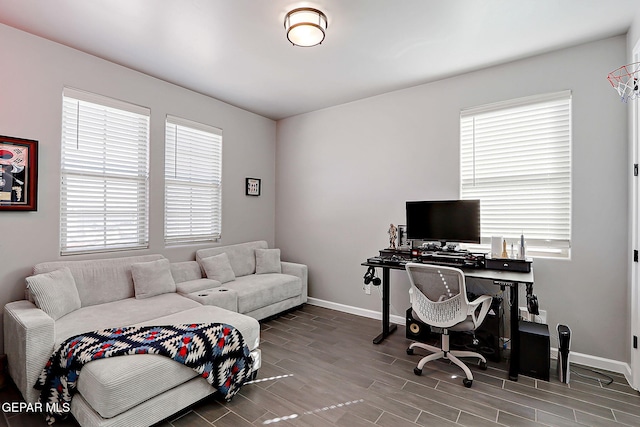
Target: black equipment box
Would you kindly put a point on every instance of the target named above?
(490, 331)
(396, 253)
(486, 339)
(507, 264)
(535, 350)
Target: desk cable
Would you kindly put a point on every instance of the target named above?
(608, 380)
(395, 312)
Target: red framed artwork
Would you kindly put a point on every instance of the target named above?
(19, 174)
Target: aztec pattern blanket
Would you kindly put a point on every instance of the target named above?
(216, 351)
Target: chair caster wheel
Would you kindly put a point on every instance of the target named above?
(467, 382)
(417, 371)
(410, 351)
(482, 365)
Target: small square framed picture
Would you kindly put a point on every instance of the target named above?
(252, 186)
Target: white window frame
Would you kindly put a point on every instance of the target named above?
(193, 182)
(515, 156)
(104, 174)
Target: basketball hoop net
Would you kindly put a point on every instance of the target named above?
(625, 81)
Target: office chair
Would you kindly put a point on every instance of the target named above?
(438, 298)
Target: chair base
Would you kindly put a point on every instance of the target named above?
(445, 353)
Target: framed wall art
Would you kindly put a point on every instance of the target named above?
(19, 178)
(252, 186)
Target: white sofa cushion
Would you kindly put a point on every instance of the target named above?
(260, 290)
(152, 278)
(218, 268)
(120, 313)
(116, 384)
(100, 280)
(55, 292)
(196, 285)
(186, 271)
(241, 256)
(113, 385)
(268, 261)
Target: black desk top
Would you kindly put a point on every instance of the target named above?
(478, 273)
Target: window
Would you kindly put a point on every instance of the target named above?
(515, 157)
(104, 174)
(193, 182)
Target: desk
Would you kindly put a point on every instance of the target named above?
(500, 278)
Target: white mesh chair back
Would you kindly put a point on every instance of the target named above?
(438, 294)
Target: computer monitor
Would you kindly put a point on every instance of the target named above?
(445, 221)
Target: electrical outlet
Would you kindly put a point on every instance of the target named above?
(540, 318)
(367, 289)
(524, 313)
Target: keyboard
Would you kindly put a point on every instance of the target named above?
(444, 260)
(445, 255)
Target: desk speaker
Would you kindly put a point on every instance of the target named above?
(416, 329)
(535, 350)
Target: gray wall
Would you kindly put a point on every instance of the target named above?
(344, 173)
(633, 36)
(32, 76)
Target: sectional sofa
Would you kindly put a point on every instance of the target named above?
(237, 285)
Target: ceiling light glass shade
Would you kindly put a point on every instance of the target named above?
(305, 26)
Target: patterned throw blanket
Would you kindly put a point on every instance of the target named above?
(216, 351)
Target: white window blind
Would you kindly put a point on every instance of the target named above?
(516, 158)
(104, 174)
(193, 182)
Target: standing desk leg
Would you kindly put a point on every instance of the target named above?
(387, 329)
(514, 364)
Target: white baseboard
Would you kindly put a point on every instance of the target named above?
(372, 314)
(595, 362)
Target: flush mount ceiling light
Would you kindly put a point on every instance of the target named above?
(305, 26)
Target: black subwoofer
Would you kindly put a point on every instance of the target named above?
(535, 350)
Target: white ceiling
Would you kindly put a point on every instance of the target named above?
(237, 51)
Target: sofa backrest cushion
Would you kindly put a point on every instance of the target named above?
(241, 256)
(186, 271)
(100, 280)
(268, 261)
(152, 278)
(55, 292)
(218, 268)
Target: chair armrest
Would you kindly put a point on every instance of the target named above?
(484, 301)
(29, 337)
(299, 270)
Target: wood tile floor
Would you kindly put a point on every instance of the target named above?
(320, 368)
